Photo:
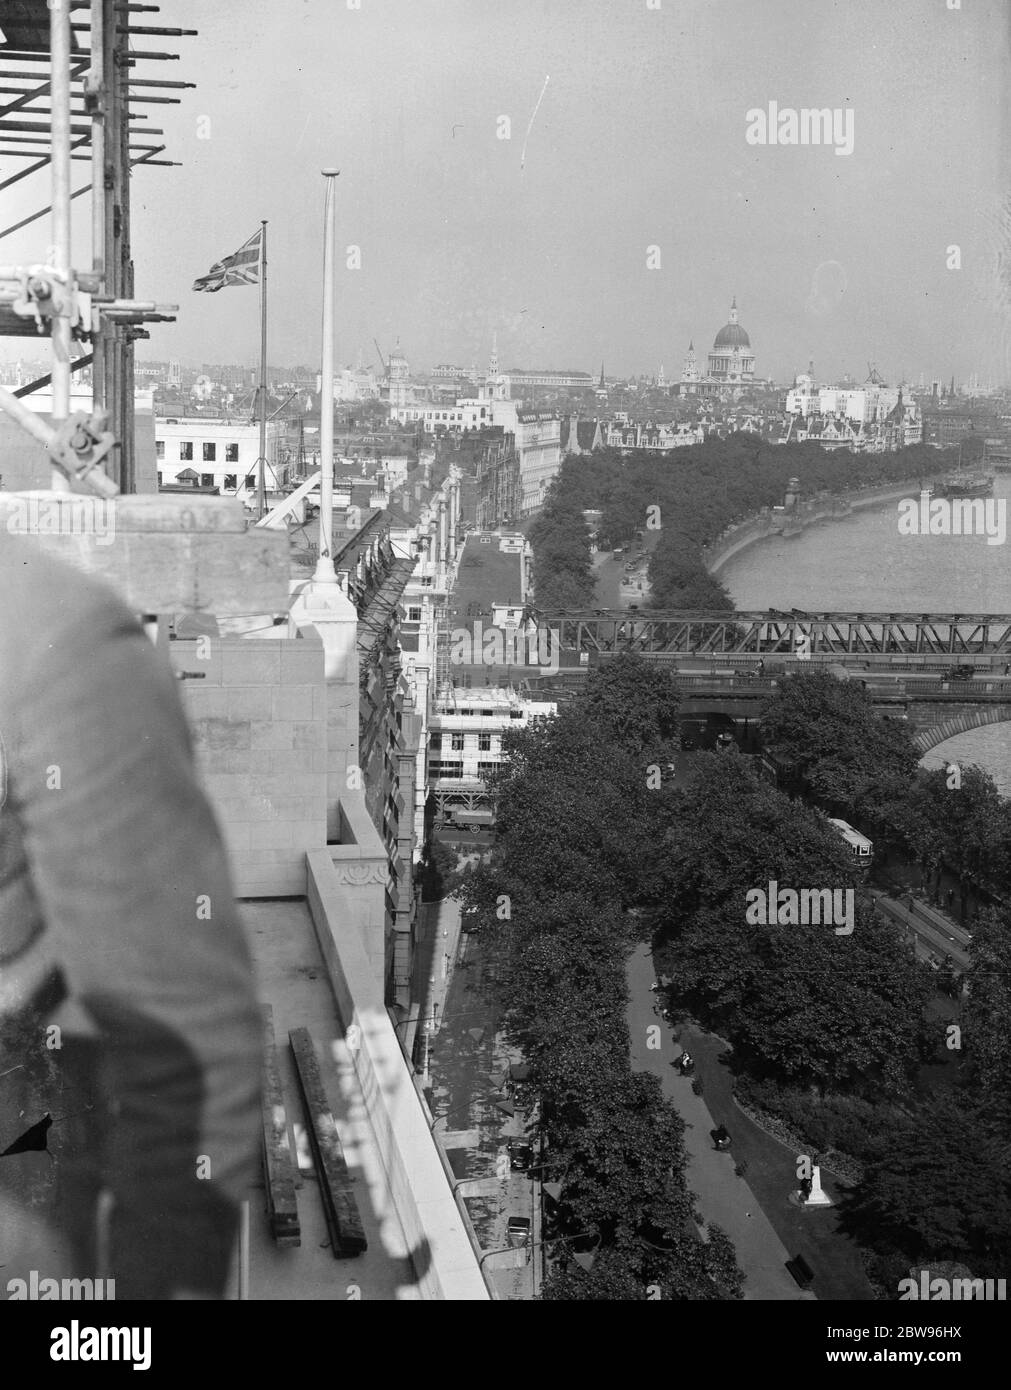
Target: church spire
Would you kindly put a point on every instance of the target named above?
(733, 309)
(601, 386)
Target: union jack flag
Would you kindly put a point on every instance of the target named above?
(241, 268)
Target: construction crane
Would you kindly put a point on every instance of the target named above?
(386, 370)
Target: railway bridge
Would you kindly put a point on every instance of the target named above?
(904, 661)
(844, 636)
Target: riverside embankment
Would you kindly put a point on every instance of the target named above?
(824, 506)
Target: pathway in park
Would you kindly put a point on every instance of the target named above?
(722, 1196)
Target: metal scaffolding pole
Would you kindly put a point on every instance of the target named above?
(95, 86)
(59, 38)
(98, 79)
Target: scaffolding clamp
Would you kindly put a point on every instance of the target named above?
(46, 294)
(79, 444)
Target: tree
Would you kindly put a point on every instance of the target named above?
(937, 1187)
(635, 706)
(797, 1002)
(986, 1019)
(849, 757)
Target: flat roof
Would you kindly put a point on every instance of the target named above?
(293, 979)
(486, 575)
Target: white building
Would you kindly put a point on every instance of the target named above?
(539, 446)
(352, 384)
(217, 453)
(622, 434)
(538, 434)
(549, 380)
(864, 405)
(465, 740)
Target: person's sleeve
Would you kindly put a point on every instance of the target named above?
(132, 880)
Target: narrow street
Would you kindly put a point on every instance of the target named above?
(723, 1197)
(468, 1066)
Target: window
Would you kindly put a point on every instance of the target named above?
(486, 769)
(458, 743)
(484, 743)
(435, 743)
(231, 453)
(210, 453)
(186, 450)
(159, 477)
(231, 482)
(251, 480)
(206, 479)
(414, 615)
(159, 448)
(438, 769)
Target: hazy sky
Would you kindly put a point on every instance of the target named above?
(639, 142)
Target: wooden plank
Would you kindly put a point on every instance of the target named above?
(225, 573)
(278, 1165)
(347, 1235)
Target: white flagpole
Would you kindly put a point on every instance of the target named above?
(261, 501)
(324, 572)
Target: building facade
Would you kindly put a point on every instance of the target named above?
(208, 452)
(465, 741)
(730, 366)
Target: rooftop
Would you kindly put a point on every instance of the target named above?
(486, 575)
(293, 978)
(477, 696)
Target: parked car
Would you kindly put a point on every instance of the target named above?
(521, 1155)
(518, 1231)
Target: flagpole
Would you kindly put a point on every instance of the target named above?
(261, 501)
(324, 572)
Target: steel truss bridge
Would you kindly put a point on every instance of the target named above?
(842, 635)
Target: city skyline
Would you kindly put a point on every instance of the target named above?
(586, 184)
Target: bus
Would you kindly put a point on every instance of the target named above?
(458, 818)
(861, 848)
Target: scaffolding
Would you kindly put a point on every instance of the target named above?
(443, 680)
(92, 90)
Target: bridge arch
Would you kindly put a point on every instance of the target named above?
(930, 737)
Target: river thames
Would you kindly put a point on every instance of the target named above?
(862, 564)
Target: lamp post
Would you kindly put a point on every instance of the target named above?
(433, 1019)
(555, 1240)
